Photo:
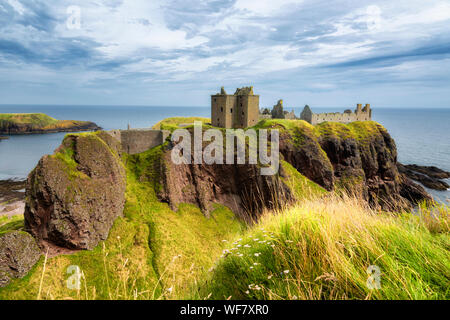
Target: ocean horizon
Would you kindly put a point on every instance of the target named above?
(422, 135)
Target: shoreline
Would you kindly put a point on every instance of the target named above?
(12, 197)
(72, 130)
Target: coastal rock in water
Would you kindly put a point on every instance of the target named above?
(428, 176)
(75, 195)
(18, 254)
(412, 191)
(432, 172)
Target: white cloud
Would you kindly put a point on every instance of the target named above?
(265, 7)
(17, 6)
(132, 26)
(157, 42)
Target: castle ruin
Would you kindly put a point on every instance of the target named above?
(360, 114)
(240, 110)
(279, 113)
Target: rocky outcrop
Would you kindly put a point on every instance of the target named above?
(239, 187)
(360, 158)
(18, 254)
(430, 177)
(75, 195)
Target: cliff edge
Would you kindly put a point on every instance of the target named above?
(359, 158)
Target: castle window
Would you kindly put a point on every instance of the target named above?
(231, 110)
(221, 109)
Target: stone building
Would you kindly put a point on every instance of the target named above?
(360, 114)
(240, 110)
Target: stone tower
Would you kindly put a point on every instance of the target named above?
(240, 110)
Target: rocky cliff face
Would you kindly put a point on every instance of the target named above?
(359, 158)
(239, 187)
(75, 195)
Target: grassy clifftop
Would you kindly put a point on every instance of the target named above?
(172, 124)
(25, 123)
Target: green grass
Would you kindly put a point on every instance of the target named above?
(359, 130)
(302, 187)
(321, 249)
(11, 223)
(39, 119)
(174, 123)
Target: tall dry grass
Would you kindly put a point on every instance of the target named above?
(323, 248)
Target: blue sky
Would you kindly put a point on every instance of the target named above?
(178, 53)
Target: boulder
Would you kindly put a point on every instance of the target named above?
(74, 196)
(19, 252)
(428, 176)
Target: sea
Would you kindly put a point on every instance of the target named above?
(422, 135)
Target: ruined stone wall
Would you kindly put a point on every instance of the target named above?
(333, 117)
(360, 114)
(139, 140)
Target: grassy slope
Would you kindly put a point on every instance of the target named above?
(322, 249)
(38, 121)
(327, 245)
